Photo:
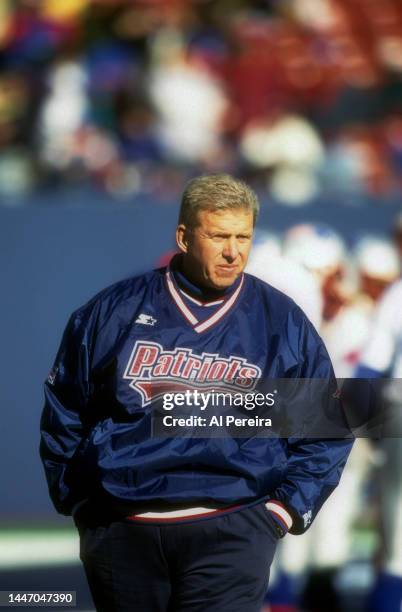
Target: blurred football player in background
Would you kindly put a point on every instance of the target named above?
(344, 288)
(381, 357)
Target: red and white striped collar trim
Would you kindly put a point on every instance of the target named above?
(186, 312)
(198, 302)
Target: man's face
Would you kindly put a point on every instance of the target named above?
(217, 249)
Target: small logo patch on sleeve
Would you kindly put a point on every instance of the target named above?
(51, 379)
(307, 518)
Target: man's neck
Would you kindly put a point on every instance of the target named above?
(188, 284)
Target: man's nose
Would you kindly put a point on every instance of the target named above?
(231, 249)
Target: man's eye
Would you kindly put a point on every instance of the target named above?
(218, 238)
(221, 237)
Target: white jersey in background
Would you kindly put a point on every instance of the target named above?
(383, 351)
(290, 278)
(383, 356)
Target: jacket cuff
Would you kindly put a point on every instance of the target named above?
(280, 515)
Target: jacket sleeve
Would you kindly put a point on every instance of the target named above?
(314, 464)
(67, 392)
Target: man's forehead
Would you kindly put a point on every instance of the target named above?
(230, 218)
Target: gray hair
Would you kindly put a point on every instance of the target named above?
(216, 192)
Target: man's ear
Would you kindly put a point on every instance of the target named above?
(182, 238)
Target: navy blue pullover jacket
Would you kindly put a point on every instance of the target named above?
(119, 353)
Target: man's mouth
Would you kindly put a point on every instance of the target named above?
(227, 268)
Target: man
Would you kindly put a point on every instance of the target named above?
(183, 523)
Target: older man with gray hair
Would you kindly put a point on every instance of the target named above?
(180, 520)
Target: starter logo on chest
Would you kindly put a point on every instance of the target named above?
(153, 371)
(145, 319)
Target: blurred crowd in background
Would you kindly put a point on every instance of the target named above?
(299, 97)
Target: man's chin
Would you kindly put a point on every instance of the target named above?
(223, 281)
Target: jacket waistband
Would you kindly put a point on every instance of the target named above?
(170, 516)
